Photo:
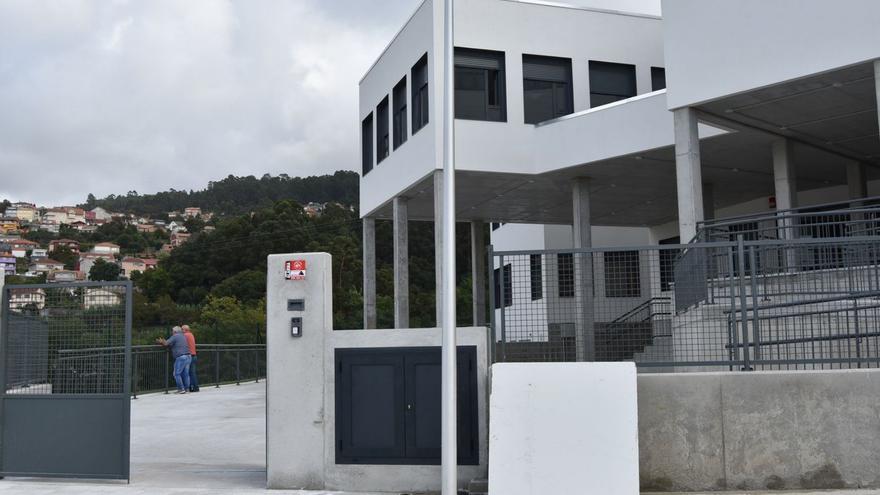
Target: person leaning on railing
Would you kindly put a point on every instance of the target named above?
(191, 342)
(182, 358)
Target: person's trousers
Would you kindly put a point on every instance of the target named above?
(193, 376)
(181, 371)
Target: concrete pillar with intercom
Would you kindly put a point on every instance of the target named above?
(299, 316)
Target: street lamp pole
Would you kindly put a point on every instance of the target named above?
(449, 431)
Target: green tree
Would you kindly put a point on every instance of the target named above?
(64, 254)
(153, 284)
(104, 271)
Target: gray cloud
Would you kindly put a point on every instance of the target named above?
(110, 96)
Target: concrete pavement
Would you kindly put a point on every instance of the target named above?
(206, 443)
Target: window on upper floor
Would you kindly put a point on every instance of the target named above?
(480, 85)
(610, 82)
(419, 81)
(547, 90)
(382, 144)
(367, 144)
(399, 116)
(658, 78)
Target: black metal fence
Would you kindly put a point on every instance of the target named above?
(152, 367)
(742, 305)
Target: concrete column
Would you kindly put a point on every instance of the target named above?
(785, 190)
(688, 173)
(583, 270)
(708, 201)
(877, 86)
(478, 272)
(856, 180)
(369, 264)
(438, 244)
(401, 263)
(784, 175)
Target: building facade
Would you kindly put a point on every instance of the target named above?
(582, 119)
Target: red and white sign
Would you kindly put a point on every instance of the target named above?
(295, 270)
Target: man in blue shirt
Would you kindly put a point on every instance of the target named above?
(182, 359)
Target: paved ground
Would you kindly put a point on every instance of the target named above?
(200, 444)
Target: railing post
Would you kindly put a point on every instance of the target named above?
(502, 307)
(167, 360)
(238, 367)
(744, 320)
(732, 339)
(134, 376)
(493, 340)
(756, 323)
(257, 365)
(217, 368)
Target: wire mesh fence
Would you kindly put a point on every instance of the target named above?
(778, 304)
(44, 323)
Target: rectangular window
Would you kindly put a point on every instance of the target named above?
(536, 277)
(419, 83)
(480, 85)
(399, 116)
(367, 143)
(658, 78)
(610, 82)
(565, 274)
(547, 90)
(382, 144)
(622, 274)
(508, 287)
(667, 263)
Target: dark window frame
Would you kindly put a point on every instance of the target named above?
(623, 274)
(565, 274)
(658, 78)
(603, 94)
(557, 86)
(367, 144)
(536, 276)
(383, 135)
(399, 122)
(508, 286)
(420, 96)
(487, 66)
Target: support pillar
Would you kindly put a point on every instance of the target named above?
(438, 245)
(688, 173)
(856, 180)
(784, 175)
(401, 263)
(369, 264)
(583, 270)
(785, 190)
(478, 272)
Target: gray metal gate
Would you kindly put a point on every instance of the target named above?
(65, 362)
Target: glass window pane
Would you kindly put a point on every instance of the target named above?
(470, 93)
(538, 100)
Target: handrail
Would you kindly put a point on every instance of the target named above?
(811, 209)
(640, 307)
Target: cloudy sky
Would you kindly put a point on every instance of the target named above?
(116, 95)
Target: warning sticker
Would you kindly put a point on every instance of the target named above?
(295, 270)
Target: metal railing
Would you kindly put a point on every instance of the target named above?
(152, 367)
(745, 305)
(852, 218)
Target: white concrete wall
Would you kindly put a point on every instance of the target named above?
(416, 158)
(718, 48)
(549, 437)
(515, 28)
